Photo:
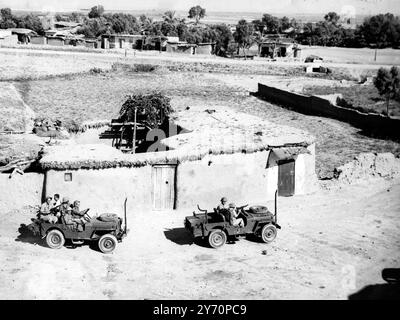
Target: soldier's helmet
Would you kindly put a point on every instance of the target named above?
(232, 205)
(224, 199)
(65, 200)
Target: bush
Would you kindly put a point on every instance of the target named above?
(96, 70)
(152, 108)
(133, 68)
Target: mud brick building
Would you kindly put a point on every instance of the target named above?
(221, 153)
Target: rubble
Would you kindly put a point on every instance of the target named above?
(367, 166)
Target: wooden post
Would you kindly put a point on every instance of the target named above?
(134, 134)
(376, 49)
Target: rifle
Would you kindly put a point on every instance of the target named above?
(54, 208)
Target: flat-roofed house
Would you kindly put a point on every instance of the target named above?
(221, 153)
(273, 46)
(181, 47)
(205, 48)
(122, 41)
(24, 35)
(7, 38)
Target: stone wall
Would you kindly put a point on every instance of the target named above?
(318, 106)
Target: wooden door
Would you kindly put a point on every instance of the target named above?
(163, 194)
(286, 178)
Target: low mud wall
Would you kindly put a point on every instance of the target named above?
(318, 106)
(18, 191)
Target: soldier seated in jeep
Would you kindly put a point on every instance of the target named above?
(234, 216)
(45, 211)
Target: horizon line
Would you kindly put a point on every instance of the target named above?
(211, 11)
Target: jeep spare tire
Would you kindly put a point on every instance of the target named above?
(258, 209)
(217, 238)
(108, 217)
(55, 239)
(268, 233)
(107, 243)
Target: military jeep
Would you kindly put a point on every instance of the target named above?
(106, 233)
(216, 226)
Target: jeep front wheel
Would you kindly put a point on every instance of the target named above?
(55, 239)
(268, 233)
(107, 243)
(217, 238)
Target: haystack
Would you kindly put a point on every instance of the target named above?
(16, 116)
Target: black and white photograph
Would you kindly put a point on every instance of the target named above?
(199, 150)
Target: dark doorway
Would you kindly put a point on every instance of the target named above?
(286, 176)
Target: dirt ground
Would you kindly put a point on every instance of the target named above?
(332, 244)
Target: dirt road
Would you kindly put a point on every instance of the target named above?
(332, 244)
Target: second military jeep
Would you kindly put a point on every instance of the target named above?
(216, 226)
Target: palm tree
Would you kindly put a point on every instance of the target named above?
(169, 17)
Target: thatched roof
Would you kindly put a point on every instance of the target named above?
(22, 31)
(16, 116)
(221, 132)
(222, 129)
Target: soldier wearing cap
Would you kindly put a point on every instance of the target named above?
(235, 221)
(65, 210)
(223, 204)
(77, 215)
(45, 211)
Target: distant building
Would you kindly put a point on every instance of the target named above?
(55, 41)
(24, 35)
(38, 40)
(7, 38)
(273, 46)
(205, 48)
(181, 47)
(91, 43)
(122, 41)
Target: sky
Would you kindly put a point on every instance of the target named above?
(272, 6)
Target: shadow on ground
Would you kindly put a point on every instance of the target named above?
(183, 237)
(179, 235)
(26, 235)
(385, 291)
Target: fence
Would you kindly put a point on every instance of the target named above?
(313, 105)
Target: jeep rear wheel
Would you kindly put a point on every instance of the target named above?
(268, 233)
(217, 238)
(55, 239)
(107, 243)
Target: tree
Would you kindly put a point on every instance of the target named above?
(271, 23)
(244, 35)
(223, 36)
(284, 24)
(197, 13)
(332, 17)
(7, 19)
(31, 22)
(96, 11)
(169, 16)
(93, 28)
(258, 25)
(388, 84)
